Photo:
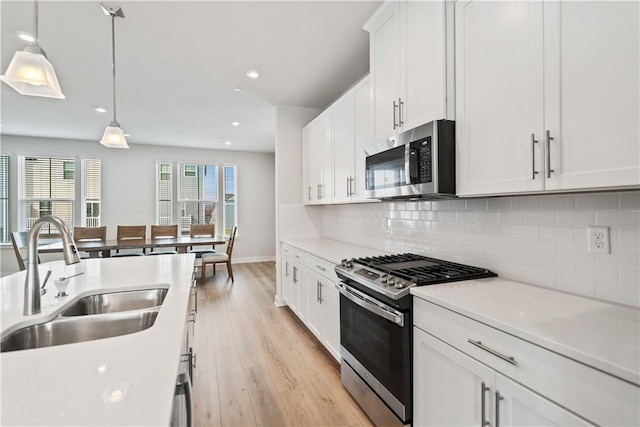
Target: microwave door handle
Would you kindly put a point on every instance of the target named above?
(411, 164)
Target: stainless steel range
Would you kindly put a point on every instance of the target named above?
(375, 327)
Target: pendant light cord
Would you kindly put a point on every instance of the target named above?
(113, 61)
(35, 22)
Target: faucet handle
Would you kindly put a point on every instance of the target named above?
(43, 290)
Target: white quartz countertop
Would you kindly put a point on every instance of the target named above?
(332, 250)
(603, 335)
(126, 380)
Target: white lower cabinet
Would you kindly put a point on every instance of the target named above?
(469, 373)
(312, 296)
(453, 389)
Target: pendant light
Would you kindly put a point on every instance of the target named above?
(30, 72)
(113, 135)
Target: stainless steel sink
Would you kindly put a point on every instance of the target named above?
(66, 330)
(116, 301)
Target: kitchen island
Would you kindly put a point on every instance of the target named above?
(124, 380)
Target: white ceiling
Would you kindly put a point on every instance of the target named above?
(177, 63)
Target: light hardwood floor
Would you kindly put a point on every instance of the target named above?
(257, 364)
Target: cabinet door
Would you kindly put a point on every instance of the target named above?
(326, 151)
(307, 137)
(518, 406)
(313, 159)
(499, 96)
(302, 278)
(449, 386)
(343, 147)
(384, 42)
(592, 93)
(315, 316)
(331, 302)
(423, 75)
(363, 122)
(286, 276)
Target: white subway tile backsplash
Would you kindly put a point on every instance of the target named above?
(624, 219)
(630, 201)
(547, 218)
(539, 239)
(576, 218)
(557, 202)
(527, 203)
(597, 201)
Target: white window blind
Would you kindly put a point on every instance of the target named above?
(4, 198)
(47, 190)
(164, 194)
(91, 190)
(197, 195)
(230, 198)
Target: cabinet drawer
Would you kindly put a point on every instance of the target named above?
(592, 394)
(293, 253)
(323, 267)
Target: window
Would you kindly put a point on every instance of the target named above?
(230, 199)
(91, 190)
(197, 195)
(48, 187)
(194, 199)
(4, 198)
(164, 195)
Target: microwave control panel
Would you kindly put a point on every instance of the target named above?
(421, 157)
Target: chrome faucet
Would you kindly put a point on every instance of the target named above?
(32, 283)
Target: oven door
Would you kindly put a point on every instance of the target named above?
(375, 342)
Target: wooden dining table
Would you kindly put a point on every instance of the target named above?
(94, 248)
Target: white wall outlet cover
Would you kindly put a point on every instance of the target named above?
(598, 240)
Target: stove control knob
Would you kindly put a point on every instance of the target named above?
(383, 278)
(344, 263)
(391, 280)
(350, 263)
(400, 284)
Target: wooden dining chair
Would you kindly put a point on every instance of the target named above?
(89, 234)
(202, 230)
(163, 232)
(19, 241)
(128, 233)
(219, 258)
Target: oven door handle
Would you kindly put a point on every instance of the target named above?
(371, 305)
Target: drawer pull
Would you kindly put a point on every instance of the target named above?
(492, 351)
(319, 267)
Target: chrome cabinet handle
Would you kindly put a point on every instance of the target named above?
(483, 415)
(295, 275)
(309, 192)
(321, 299)
(319, 267)
(317, 291)
(498, 399)
(195, 300)
(351, 179)
(183, 387)
(400, 104)
(348, 189)
(549, 139)
(533, 156)
(492, 351)
(395, 106)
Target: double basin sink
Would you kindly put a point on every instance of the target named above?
(91, 318)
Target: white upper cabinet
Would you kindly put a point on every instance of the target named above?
(363, 136)
(343, 146)
(408, 65)
(546, 96)
(317, 159)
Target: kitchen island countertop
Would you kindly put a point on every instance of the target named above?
(125, 380)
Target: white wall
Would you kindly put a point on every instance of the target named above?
(128, 187)
(540, 240)
(293, 219)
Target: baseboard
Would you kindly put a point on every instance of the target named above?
(279, 302)
(245, 260)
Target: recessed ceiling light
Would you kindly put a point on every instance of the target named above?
(100, 109)
(237, 89)
(25, 36)
(235, 123)
(228, 143)
(253, 74)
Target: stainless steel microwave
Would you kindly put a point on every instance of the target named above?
(419, 163)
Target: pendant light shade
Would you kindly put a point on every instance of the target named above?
(113, 136)
(30, 72)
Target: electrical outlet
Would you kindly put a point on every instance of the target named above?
(598, 240)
